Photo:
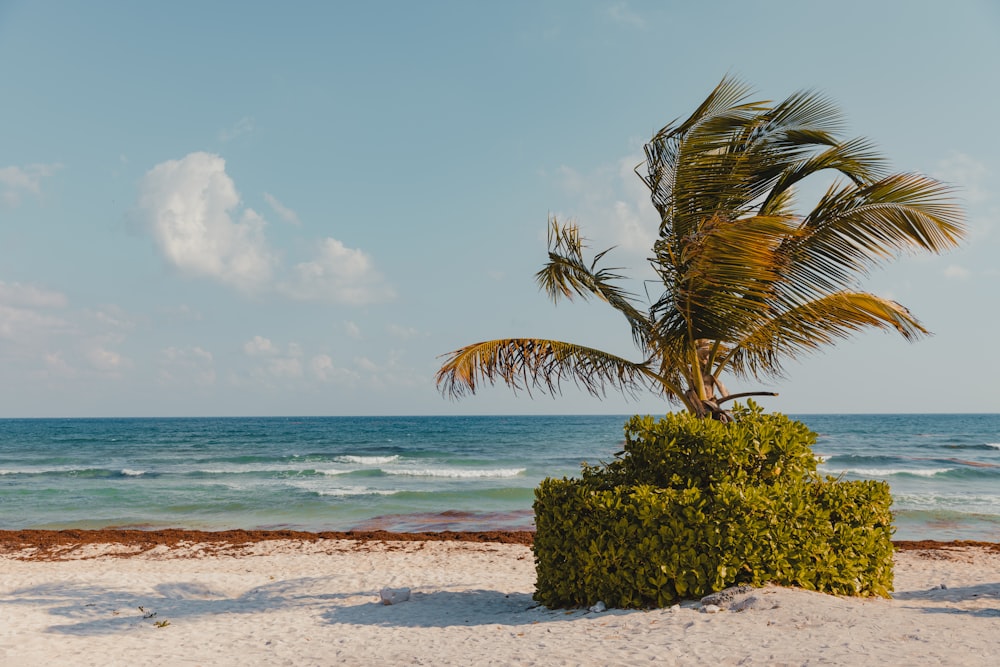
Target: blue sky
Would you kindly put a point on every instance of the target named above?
(294, 209)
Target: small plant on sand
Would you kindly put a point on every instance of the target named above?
(693, 506)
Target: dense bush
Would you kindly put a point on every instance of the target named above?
(692, 506)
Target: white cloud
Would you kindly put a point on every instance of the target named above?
(612, 206)
(15, 182)
(285, 213)
(189, 205)
(24, 317)
(193, 210)
(957, 272)
(366, 364)
(106, 361)
(353, 330)
(403, 333)
(187, 365)
(16, 294)
(339, 274)
(259, 346)
(968, 175)
(275, 363)
(43, 336)
(242, 126)
(285, 367)
(392, 372)
(26, 326)
(56, 366)
(323, 369)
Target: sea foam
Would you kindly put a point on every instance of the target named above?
(367, 460)
(456, 472)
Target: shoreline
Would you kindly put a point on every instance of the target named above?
(44, 542)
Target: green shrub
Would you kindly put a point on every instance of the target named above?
(693, 506)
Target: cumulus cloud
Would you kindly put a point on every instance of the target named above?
(274, 363)
(192, 209)
(338, 274)
(285, 213)
(15, 182)
(259, 346)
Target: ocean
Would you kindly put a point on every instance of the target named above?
(430, 473)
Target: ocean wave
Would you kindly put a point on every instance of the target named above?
(367, 460)
(978, 503)
(889, 472)
(133, 473)
(335, 472)
(355, 491)
(458, 473)
(993, 445)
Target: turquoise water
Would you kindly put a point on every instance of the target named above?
(430, 473)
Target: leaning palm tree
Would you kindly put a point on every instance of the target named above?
(746, 281)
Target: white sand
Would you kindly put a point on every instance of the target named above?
(297, 603)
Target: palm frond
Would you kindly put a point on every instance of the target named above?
(696, 145)
(854, 229)
(567, 274)
(856, 159)
(725, 279)
(538, 364)
(809, 326)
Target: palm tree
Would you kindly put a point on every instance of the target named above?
(746, 281)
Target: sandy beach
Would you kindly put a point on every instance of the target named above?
(179, 598)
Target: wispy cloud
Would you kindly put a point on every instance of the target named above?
(612, 206)
(322, 368)
(621, 12)
(32, 296)
(242, 126)
(403, 333)
(187, 365)
(43, 336)
(956, 272)
(976, 184)
(285, 213)
(16, 182)
(970, 176)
